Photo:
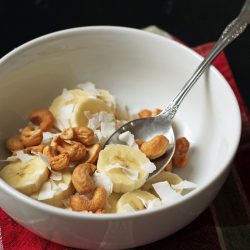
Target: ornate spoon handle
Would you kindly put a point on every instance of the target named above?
(231, 32)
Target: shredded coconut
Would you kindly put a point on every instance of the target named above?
(24, 157)
(166, 193)
(63, 118)
(107, 128)
(46, 191)
(149, 204)
(48, 137)
(103, 180)
(128, 138)
(149, 167)
(90, 88)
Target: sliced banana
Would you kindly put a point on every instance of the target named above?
(68, 109)
(27, 177)
(112, 200)
(127, 167)
(172, 178)
(137, 200)
(55, 192)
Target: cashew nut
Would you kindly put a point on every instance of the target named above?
(75, 150)
(97, 202)
(92, 153)
(156, 147)
(180, 157)
(31, 136)
(144, 113)
(169, 166)
(67, 134)
(84, 135)
(156, 112)
(42, 117)
(82, 178)
(58, 161)
(80, 134)
(14, 143)
(100, 211)
(139, 142)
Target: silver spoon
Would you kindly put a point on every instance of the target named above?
(146, 128)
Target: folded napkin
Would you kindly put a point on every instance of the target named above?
(225, 224)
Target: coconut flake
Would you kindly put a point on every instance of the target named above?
(132, 174)
(46, 191)
(149, 204)
(12, 158)
(106, 117)
(55, 176)
(149, 167)
(62, 186)
(67, 96)
(90, 88)
(185, 185)
(94, 122)
(103, 180)
(107, 128)
(166, 193)
(63, 118)
(48, 137)
(24, 157)
(128, 138)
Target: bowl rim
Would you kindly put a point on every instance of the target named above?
(86, 216)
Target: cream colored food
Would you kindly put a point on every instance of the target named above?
(63, 163)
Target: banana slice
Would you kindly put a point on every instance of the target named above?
(137, 200)
(173, 179)
(112, 200)
(55, 192)
(68, 108)
(127, 167)
(27, 177)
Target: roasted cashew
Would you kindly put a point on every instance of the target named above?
(42, 117)
(31, 136)
(145, 113)
(76, 150)
(67, 134)
(58, 161)
(156, 147)
(180, 157)
(92, 153)
(84, 135)
(14, 143)
(80, 134)
(82, 178)
(169, 166)
(100, 211)
(78, 203)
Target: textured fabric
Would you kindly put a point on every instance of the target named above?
(224, 225)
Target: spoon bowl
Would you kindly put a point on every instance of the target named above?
(145, 129)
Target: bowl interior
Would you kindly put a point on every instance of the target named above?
(140, 69)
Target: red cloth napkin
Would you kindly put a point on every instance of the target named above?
(213, 229)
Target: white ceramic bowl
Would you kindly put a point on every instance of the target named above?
(144, 71)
